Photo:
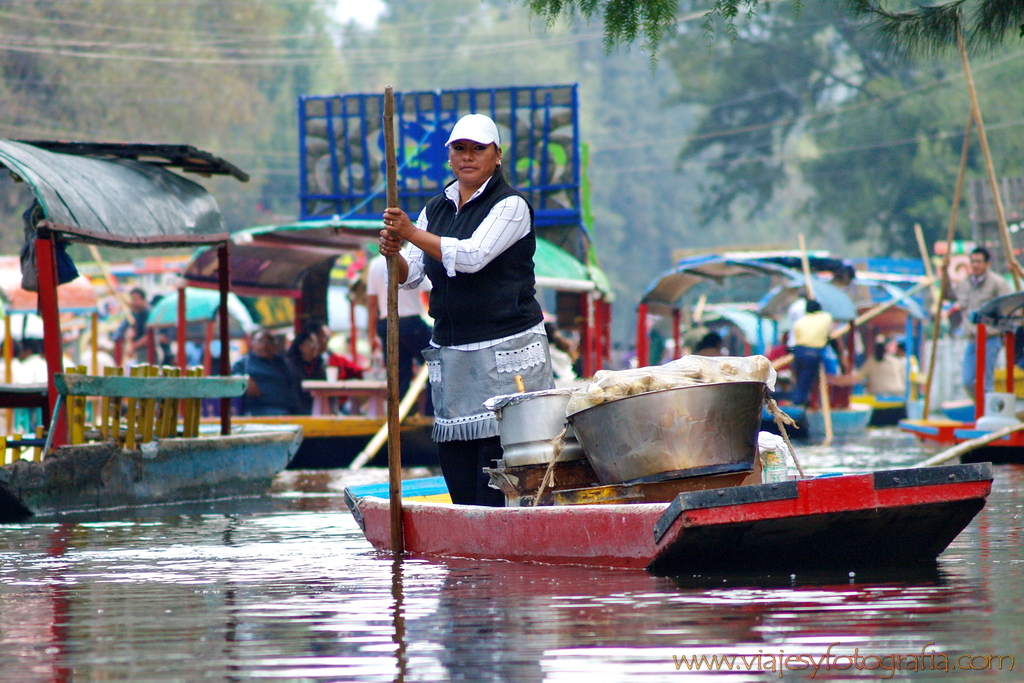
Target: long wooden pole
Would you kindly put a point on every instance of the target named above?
(950, 233)
(394, 424)
(826, 406)
(1004, 232)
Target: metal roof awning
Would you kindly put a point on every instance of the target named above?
(662, 296)
(121, 195)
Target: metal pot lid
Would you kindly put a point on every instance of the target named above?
(496, 403)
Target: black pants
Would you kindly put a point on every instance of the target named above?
(413, 337)
(462, 464)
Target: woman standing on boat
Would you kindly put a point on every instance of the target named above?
(475, 241)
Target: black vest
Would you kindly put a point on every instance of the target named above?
(494, 302)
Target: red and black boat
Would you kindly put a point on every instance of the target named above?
(883, 519)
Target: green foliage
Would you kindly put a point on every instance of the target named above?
(222, 76)
(625, 21)
(930, 30)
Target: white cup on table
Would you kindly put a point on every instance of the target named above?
(332, 373)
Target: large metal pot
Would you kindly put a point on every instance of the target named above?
(689, 431)
(527, 426)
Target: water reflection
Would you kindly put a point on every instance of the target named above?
(289, 589)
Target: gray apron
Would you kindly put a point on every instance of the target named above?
(460, 382)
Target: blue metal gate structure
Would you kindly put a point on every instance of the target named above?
(341, 150)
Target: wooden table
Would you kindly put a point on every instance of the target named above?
(322, 391)
(26, 396)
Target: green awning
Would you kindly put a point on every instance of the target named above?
(556, 268)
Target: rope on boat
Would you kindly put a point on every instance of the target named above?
(557, 444)
(781, 420)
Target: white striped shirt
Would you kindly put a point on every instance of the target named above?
(507, 222)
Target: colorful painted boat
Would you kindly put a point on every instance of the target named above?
(883, 519)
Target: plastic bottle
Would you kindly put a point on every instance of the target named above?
(771, 449)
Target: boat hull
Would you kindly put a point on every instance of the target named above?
(103, 475)
(850, 421)
(334, 441)
(888, 518)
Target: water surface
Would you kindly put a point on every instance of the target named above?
(287, 589)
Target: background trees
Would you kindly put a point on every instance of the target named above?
(798, 122)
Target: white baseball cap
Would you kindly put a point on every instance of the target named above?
(475, 127)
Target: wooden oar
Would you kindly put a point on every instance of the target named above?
(394, 431)
(413, 393)
(826, 407)
(970, 445)
(950, 232)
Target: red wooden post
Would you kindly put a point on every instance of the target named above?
(207, 352)
(851, 351)
(150, 346)
(182, 329)
(642, 346)
(605, 331)
(298, 322)
(599, 338)
(224, 274)
(53, 347)
(677, 339)
(979, 371)
(352, 332)
(1009, 342)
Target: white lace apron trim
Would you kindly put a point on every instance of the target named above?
(520, 359)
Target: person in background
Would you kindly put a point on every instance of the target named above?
(304, 361)
(475, 241)
(810, 335)
(709, 345)
(29, 366)
(347, 369)
(883, 373)
(133, 335)
(561, 352)
(271, 389)
(413, 331)
(979, 287)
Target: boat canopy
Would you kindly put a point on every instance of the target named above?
(833, 300)
(273, 260)
(121, 194)
(201, 305)
(754, 328)
(1004, 312)
(662, 296)
(881, 290)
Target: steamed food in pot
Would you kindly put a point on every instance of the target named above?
(611, 385)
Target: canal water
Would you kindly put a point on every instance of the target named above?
(286, 589)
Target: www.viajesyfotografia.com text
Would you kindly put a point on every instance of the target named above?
(884, 665)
